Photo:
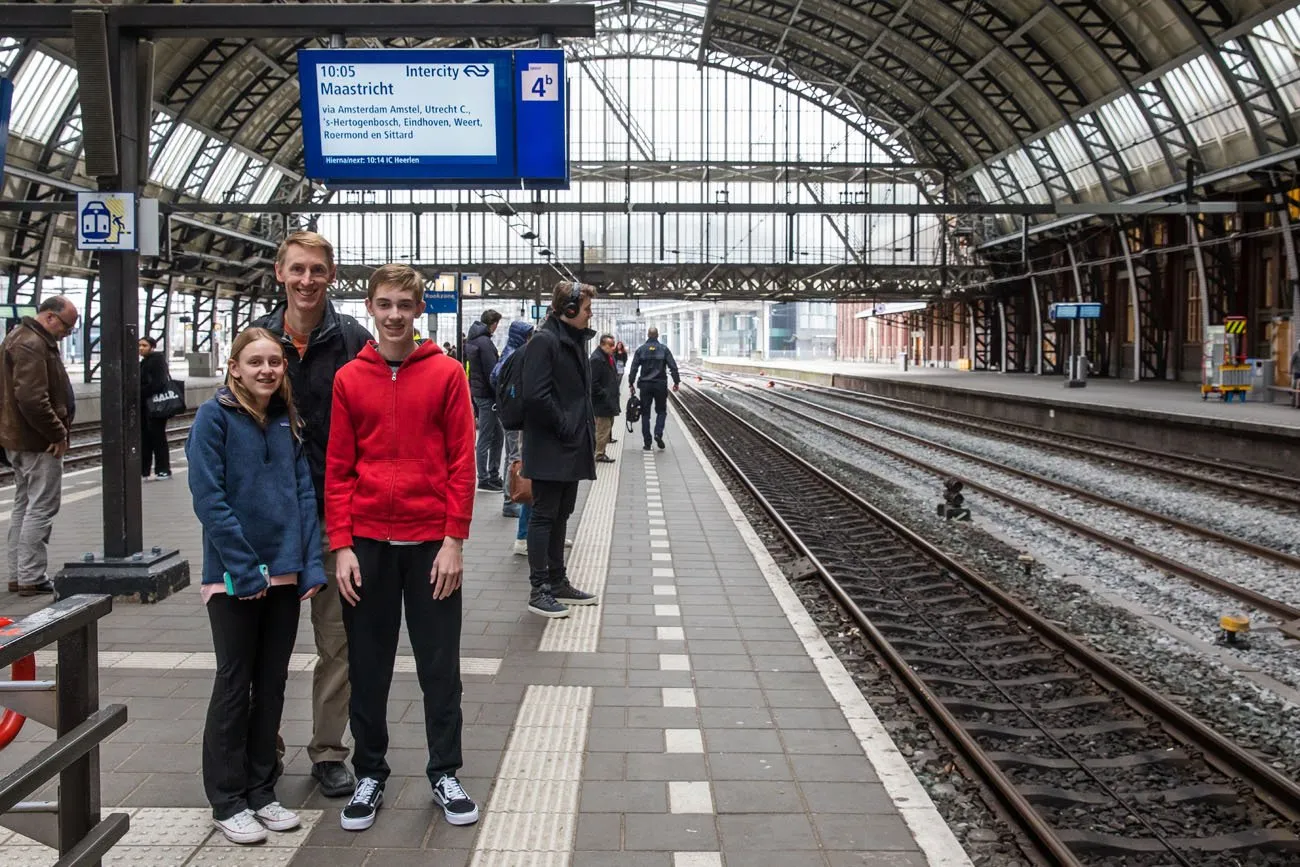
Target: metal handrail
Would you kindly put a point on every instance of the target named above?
(70, 705)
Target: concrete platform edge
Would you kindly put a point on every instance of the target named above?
(931, 832)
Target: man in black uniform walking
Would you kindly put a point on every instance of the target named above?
(654, 361)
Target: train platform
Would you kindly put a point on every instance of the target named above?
(696, 718)
(197, 390)
(1152, 414)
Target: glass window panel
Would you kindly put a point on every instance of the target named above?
(1277, 43)
(266, 186)
(9, 48)
(42, 89)
(176, 155)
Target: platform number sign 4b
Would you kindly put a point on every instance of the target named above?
(538, 82)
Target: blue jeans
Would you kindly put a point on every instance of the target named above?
(525, 511)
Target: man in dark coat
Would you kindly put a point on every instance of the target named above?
(604, 394)
(481, 357)
(654, 362)
(317, 341)
(559, 443)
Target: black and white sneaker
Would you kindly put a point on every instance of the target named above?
(567, 594)
(456, 803)
(360, 812)
(543, 603)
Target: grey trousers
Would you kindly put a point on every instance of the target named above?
(38, 489)
(513, 448)
(487, 450)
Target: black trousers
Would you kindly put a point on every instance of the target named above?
(656, 394)
(153, 445)
(390, 576)
(553, 503)
(253, 639)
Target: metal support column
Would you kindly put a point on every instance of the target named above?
(119, 334)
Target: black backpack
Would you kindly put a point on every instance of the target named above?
(633, 411)
(510, 391)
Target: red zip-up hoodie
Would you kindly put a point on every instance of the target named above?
(400, 464)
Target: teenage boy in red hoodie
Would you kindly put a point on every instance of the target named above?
(399, 494)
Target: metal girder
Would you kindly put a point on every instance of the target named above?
(203, 319)
(698, 281)
(620, 109)
(35, 235)
(157, 307)
(1216, 270)
(1128, 64)
(1239, 64)
(984, 332)
(893, 85)
(298, 21)
(1151, 328)
(1047, 355)
(1014, 319)
(92, 320)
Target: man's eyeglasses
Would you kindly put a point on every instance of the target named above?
(66, 324)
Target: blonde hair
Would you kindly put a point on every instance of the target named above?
(310, 240)
(404, 277)
(245, 397)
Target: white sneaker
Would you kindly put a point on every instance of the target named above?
(277, 818)
(241, 828)
(521, 547)
(568, 543)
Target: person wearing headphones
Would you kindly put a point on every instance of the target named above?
(559, 442)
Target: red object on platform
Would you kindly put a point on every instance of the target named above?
(12, 721)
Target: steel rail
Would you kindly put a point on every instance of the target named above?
(1031, 434)
(1016, 807)
(1272, 607)
(1277, 790)
(1253, 548)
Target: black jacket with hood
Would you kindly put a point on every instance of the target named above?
(336, 341)
(559, 442)
(481, 355)
(604, 384)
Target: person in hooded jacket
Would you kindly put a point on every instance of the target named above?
(155, 378)
(520, 331)
(604, 394)
(559, 443)
(399, 497)
(480, 359)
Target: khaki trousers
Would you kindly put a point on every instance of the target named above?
(330, 690)
(604, 429)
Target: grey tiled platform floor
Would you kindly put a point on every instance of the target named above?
(789, 783)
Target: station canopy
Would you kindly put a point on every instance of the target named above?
(752, 126)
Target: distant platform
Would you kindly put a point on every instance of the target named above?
(1149, 413)
(197, 390)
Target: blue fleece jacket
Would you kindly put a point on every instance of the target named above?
(253, 495)
(520, 331)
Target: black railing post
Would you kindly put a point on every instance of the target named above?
(78, 698)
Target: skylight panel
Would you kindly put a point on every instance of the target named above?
(266, 186)
(1201, 95)
(1128, 128)
(9, 48)
(1277, 42)
(177, 155)
(988, 189)
(1074, 160)
(1022, 167)
(41, 93)
(224, 175)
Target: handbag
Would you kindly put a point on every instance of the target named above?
(521, 489)
(168, 402)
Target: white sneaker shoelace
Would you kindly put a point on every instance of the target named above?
(365, 792)
(274, 812)
(243, 823)
(452, 790)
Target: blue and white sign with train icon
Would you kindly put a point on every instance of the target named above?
(106, 221)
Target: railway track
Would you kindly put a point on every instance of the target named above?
(1222, 477)
(1090, 765)
(86, 448)
(1287, 614)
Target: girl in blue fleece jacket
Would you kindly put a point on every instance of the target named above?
(253, 495)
